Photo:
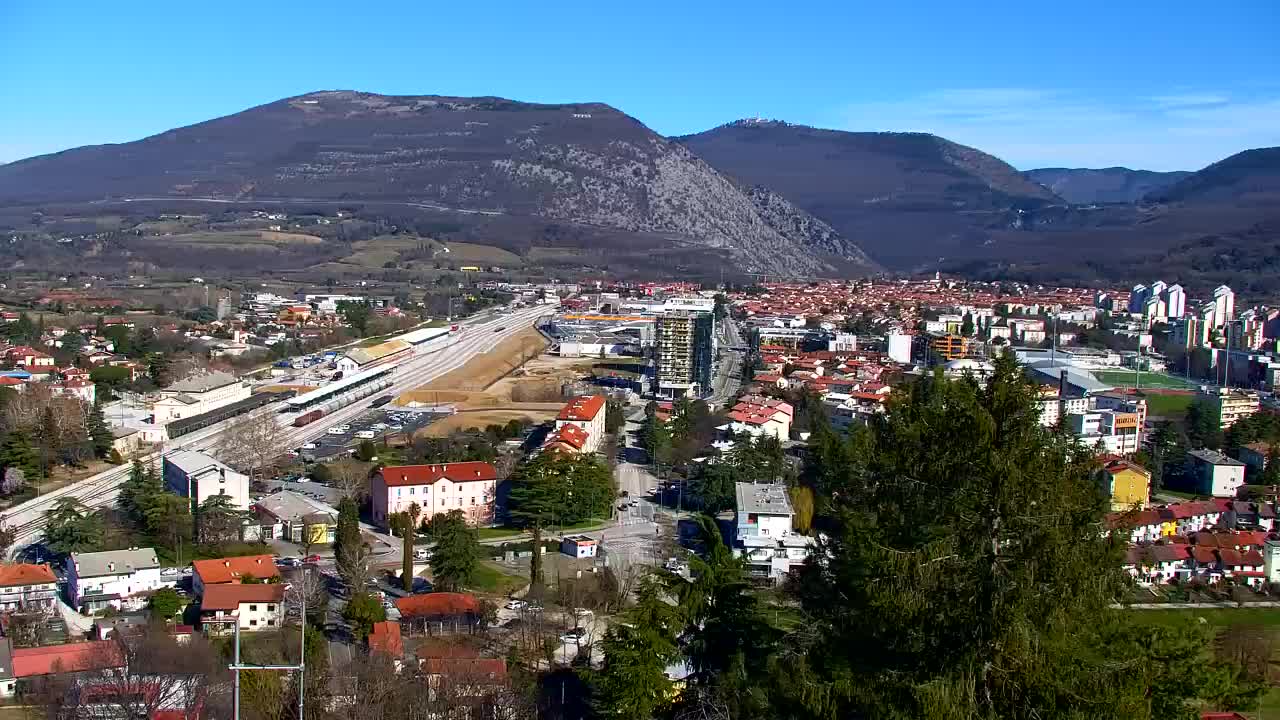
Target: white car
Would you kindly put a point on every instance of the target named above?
(366, 434)
(378, 426)
(336, 431)
(517, 605)
(309, 446)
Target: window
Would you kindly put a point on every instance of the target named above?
(271, 608)
(253, 608)
(399, 492)
(473, 501)
(271, 623)
(253, 623)
(411, 491)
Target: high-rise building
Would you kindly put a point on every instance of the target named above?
(685, 347)
(1157, 289)
(1175, 300)
(1138, 298)
(1224, 305)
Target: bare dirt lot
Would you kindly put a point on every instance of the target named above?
(514, 381)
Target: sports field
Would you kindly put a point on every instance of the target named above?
(1129, 378)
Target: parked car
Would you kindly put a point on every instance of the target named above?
(517, 605)
(582, 612)
(573, 635)
(311, 559)
(336, 431)
(309, 446)
(366, 434)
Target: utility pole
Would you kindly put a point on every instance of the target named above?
(301, 667)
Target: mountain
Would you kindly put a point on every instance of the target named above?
(1251, 177)
(585, 165)
(906, 198)
(1083, 186)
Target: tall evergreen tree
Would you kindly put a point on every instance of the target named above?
(16, 452)
(632, 684)
(99, 431)
(966, 573)
(456, 554)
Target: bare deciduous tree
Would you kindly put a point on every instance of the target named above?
(350, 478)
(253, 443)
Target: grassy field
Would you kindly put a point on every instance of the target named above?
(244, 238)
(1128, 378)
(1168, 405)
(490, 578)
(1269, 706)
(469, 253)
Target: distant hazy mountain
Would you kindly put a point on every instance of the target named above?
(1249, 177)
(1083, 186)
(585, 164)
(906, 198)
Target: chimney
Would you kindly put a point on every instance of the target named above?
(404, 478)
(444, 469)
(226, 563)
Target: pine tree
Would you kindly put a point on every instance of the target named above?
(456, 554)
(16, 452)
(965, 573)
(99, 432)
(632, 684)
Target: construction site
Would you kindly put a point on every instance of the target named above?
(514, 381)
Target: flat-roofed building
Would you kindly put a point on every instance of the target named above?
(763, 533)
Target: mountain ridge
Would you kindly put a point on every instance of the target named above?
(583, 163)
(1084, 186)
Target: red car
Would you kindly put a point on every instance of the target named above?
(311, 559)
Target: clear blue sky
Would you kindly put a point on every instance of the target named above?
(1171, 85)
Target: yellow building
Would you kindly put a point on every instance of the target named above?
(1126, 484)
(950, 347)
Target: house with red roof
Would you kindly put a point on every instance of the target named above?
(756, 415)
(224, 571)
(252, 607)
(587, 413)
(24, 586)
(568, 439)
(439, 612)
(467, 486)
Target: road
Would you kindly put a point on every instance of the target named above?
(101, 490)
(728, 374)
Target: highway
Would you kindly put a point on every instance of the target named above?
(101, 490)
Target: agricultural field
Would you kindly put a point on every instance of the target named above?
(461, 253)
(243, 239)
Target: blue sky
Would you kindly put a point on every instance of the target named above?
(1174, 85)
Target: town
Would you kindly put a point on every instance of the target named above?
(484, 494)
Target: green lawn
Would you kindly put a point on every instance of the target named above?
(1128, 378)
(490, 578)
(492, 533)
(1170, 406)
(1269, 705)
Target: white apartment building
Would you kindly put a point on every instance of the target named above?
(197, 476)
(115, 578)
(1232, 404)
(198, 394)
(587, 412)
(1215, 474)
(763, 536)
(467, 486)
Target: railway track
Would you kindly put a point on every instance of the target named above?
(102, 489)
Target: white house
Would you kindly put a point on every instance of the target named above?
(763, 537)
(1215, 474)
(26, 587)
(579, 546)
(587, 413)
(197, 476)
(467, 486)
(756, 415)
(252, 607)
(198, 394)
(115, 578)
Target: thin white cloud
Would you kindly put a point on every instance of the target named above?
(1030, 127)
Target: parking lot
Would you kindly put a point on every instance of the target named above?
(372, 425)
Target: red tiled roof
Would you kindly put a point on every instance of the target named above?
(229, 570)
(386, 638)
(1204, 555)
(71, 657)
(582, 409)
(229, 596)
(403, 475)
(25, 574)
(571, 435)
(438, 604)
(1115, 465)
